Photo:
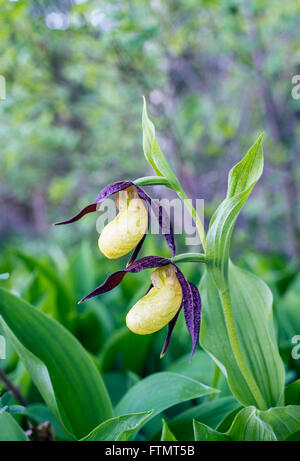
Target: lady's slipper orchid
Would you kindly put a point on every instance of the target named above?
(157, 308)
(162, 304)
(128, 229)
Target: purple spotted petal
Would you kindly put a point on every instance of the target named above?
(103, 194)
(171, 326)
(196, 316)
(149, 262)
(192, 308)
(162, 217)
(115, 187)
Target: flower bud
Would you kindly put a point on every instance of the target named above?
(124, 232)
(159, 306)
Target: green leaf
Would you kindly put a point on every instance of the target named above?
(64, 304)
(251, 303)
(153, 152)
(161, 391)
(166, 434)
(242, 178)
(288, 313)
(203, 433)
(292, 393)
(251, 424)
(237, 328)
(120, 428)
(61, 369)
(10, 431)
(210, 413)
(123, 344)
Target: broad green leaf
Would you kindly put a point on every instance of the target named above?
(166, 433)
(288, 314)
(64, 302)
(210, 413)
(153, 152)
(251, 424)
(292, 393)
(123, 344)
(237, 327)
(62, 370)
(241, 180)
(161, 391)
(10, 431)
(119, 428)
(203, 433)
(285, 421)
(251, 303)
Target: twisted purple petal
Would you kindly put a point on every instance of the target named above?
(192, 308)
(149, 262)
(162, 218)
(113, 188)
(196, 316)
(103, 194)
(171, 326)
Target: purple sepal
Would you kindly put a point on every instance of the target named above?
(196, 316)
(192, 308)
(103, 194)
(88, 209)
(162, 218)
(159, 212)
(148, 262)
(171, 326)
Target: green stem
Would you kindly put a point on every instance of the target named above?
(215, 380)
(234, 341)
(152, 181)
(189, 257)
(181, 194)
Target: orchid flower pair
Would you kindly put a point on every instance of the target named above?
(169, 289)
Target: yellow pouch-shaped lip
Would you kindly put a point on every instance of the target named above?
(159, 306)
(124, 232)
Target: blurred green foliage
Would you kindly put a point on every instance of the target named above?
(215, 74)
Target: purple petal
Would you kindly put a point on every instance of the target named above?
(88, 209)
(149, 262)
(171, 326)
(192, 308)
(196, 317)
(115, 187)
(103, 194)
(111, 282)
(162, 217)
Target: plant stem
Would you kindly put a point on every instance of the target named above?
(181, 194)
(234, 341)
(152, 181)
(12, 388)
(189, 257)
